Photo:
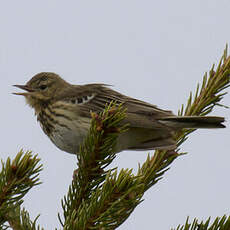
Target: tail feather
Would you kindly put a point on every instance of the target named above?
(194, 122)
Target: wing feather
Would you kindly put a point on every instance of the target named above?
(139, 113)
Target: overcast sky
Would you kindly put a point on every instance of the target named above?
(156, 51)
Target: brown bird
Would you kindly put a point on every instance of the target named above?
(63, 111)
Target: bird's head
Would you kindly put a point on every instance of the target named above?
(42, 88)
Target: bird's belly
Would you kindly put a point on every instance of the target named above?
(67, 140)
(69, 137)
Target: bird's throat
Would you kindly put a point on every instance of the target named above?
(35, 103)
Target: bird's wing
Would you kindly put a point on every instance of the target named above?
(94, 97)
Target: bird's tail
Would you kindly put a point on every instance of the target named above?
(193, 122)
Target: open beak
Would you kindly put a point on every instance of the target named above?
(24, 87)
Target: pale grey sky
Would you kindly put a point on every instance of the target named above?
(156, 51)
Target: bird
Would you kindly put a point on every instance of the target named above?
(64, 113)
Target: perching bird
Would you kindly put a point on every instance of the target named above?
(63, 111)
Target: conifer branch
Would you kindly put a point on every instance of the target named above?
(205, 99)
(209, 95)
(220, 223)
(99, 199)
(97, 152)
(17, 177)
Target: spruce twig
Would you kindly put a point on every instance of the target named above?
(17, 177)
(96, 153)
(205, 99)
(222, 223)
(101, 199)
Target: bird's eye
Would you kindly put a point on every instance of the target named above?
(42, 87)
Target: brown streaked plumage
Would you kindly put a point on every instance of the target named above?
(63, 111)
